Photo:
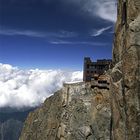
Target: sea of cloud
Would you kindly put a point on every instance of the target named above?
(29, 88)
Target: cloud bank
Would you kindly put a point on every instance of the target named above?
(29, 88)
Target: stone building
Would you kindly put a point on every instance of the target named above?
(94, 69)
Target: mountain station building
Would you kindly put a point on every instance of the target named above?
(92, 70)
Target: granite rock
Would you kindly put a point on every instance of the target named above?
(76, 112)
(125, 89)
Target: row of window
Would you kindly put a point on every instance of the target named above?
(95, 67)
(103, 82)
(98, 71)
(91, 72)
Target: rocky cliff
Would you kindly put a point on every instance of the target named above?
(79, 112)
(76, 112)
(125, 85)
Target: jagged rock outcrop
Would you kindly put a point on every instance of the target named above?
(126, 73)
(76, 112)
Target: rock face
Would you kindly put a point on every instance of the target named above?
(76, 112)
(126, 73)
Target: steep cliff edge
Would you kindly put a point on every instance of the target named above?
(126, 73)
(76, 112)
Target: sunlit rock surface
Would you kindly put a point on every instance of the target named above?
(77, 112)
(126, 73)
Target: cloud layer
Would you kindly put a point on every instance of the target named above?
(29, 88)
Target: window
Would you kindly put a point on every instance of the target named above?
(92, 66)
(87, 66)
(96, 78)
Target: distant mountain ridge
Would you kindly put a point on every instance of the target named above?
(10, 129)
(11, 122)
(20, 116)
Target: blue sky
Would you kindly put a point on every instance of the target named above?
(55, 34)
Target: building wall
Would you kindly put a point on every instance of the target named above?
(92, 68)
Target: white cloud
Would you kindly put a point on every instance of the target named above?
(30, 33)
(105, 9)
(29, 88)
(65, 34)
(62, 42)
(12, 32)
(100, 31)
(58, 41)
